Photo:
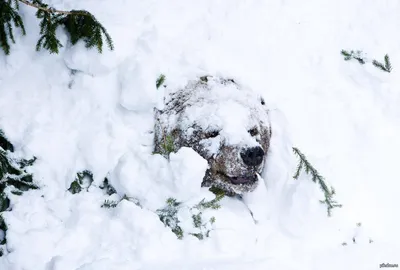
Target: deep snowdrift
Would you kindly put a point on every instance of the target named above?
(343, 116)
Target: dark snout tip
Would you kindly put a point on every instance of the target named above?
(253, 156)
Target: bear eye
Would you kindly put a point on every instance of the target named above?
(253, 132)
(212, 134)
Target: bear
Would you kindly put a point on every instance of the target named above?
(225, 123)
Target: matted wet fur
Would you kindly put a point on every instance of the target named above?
(194, 117)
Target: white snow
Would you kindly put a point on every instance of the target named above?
(227, 107)
(188, 169)
(83, 110)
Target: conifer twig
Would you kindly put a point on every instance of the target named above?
(79, 24)
(316, 178)
(51, 10)
(384, 67)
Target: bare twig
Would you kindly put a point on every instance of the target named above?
(51, 10)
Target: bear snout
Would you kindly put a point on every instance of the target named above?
(253, 156)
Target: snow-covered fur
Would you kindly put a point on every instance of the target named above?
(225, 123)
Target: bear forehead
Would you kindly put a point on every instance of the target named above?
(226, 107)
(227, 115)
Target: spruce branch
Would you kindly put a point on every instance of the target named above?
(316, 178)
(213, 204)
(5, 143)
(9, 16)
(357, 55)
(109, 189)
(14, 177)
(80, 25)
(48, 27)
(160, 80)
(83, 179)
(169, 216)
(387, 66)
(109, 204)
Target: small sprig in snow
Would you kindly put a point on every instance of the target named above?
(361, 58)
(113, 204)
(357, 55)
(387, 66)
(14, 177)
(169, 216)
(160, 81)
(82, 180)
(316, 178)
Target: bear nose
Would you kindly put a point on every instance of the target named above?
(252, 156)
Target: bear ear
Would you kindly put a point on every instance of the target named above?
(157, 112)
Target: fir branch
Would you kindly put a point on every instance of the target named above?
(109, 204)
(13, 176)
(48, 27)
(197, 220)
(80, 25)
(85, 174)
(8, 15)
(109, 189)
(5, 143)
(213, 204)
(167, 145)
(346, 54)
(160, 80)
(379, 65)
(169, 216)
(79, 183)
(387, 66)
(18, 183)
(75, 187)
(353, 55)
(4, 202)
(26, 162)
(316, 178)
(136, 201)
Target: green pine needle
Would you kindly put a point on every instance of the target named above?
(14, 177)
(82, 25)
(197, 220)
(387, 66)
(379, 65)
(5, 143)
(79, 24)
(213, 204)
(160, 81)
(169, 216)
(353, 55)
(316, 178)
(109, 204)
(8, 16)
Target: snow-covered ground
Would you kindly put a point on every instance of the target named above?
(344, 116)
